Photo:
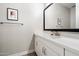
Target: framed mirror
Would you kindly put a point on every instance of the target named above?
(60, 17)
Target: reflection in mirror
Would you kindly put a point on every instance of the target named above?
(60, 16)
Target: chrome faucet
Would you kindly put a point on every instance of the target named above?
(55, 33)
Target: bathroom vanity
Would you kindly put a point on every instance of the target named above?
(51, 45)
(58, 17)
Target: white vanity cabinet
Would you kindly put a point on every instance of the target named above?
(46, 48)
(55, 46)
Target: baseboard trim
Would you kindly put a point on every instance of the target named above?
(22, 53)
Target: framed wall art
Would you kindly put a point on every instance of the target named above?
(12, 14)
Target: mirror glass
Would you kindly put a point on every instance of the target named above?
(60, 16)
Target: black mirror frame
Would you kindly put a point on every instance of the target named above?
(68, 30)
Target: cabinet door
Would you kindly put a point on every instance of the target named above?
(44, 48)
(41, 49)
(55, 48)
(69, 52)
(48, 52)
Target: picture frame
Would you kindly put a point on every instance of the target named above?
(12, 14)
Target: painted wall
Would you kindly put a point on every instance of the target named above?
(15, 38)
(73, 17)
(77, 15)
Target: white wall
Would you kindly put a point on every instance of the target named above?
(54, 12)
(16, 38)
(73, 17)
(77, 15)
